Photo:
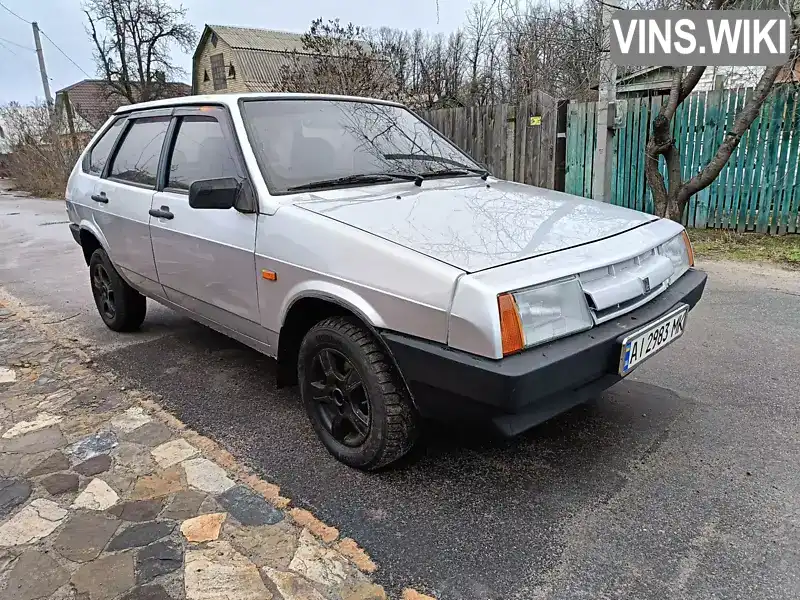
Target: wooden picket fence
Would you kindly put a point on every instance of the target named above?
(759, 188)
(514, 141)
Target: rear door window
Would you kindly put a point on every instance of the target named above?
(98, 155)
(137, 159)
(200, 152)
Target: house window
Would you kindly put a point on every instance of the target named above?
(218, 71)
(205, 75)
(214, 40)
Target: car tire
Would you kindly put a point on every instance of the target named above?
(392, 424)
(121, 307)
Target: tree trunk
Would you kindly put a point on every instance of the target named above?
(671, 196)
(660, 143)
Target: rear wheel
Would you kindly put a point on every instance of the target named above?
(120, 306)
(357, 402)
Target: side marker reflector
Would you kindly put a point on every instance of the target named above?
(510, 324)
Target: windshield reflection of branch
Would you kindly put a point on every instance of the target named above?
(380, 131)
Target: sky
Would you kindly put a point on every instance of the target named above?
(63, 22)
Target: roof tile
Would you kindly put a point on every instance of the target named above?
(94, 101)
(259, 39)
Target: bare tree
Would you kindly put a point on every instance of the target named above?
(339, 59)
(132, 40)
(550, 47)
(393, 46)
(480, 34)
(670, 197)
(40, 159)
(506, 50)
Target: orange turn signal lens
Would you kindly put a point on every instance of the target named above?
(510, 324)
(269, 275)
(689, 248)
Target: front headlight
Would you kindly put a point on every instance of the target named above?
(539, 314)
(679, 251)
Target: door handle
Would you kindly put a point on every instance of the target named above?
(162, 213)
(101, 197)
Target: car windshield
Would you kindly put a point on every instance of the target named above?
(299, 143)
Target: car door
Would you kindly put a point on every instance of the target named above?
(123, 198)
(80, 194)
(205, 257)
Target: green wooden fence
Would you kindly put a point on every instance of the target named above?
(759, 188)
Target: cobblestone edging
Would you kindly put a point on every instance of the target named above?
(103, 495)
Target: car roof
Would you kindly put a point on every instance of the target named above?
(233, 99)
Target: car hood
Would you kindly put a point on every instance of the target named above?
(472, 224)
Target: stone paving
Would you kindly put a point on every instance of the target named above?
(105, 496)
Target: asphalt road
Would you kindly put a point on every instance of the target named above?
(683, 481)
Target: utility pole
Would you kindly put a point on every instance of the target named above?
(601, 185)
(42, 68)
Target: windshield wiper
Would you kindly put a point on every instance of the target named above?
(351, 179)
(440, 159)
(444, 173)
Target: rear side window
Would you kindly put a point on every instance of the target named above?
(137, 158)
(98, 156)
(200, 152)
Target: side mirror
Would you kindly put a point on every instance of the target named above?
(214, 193)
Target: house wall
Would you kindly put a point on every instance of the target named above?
(735, 77)
(203, 64)
(659, 81)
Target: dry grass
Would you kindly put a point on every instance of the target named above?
(41, 170)
(748, 247)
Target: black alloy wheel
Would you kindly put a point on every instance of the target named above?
(340, 399)
(103, 292)
(354, 395)
(121, 307)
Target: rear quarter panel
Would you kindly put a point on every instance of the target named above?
(388, 285)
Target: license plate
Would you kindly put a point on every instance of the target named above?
(643, 343)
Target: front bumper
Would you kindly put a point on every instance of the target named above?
(523, 390)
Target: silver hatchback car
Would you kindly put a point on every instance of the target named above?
(390, 275)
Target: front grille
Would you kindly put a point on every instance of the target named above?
(618, 288)
(601, 316)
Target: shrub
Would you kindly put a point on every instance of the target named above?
(41, 157)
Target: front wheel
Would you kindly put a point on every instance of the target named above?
(121, 307)
(356, 400)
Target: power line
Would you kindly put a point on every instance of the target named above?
(15, 14)
(7, 48)
(47, 37)
(16, 44)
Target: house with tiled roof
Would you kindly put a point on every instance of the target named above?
(242, 59)
(93, 101)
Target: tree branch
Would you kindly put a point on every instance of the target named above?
(690, 82)
(135, 50)
(656, 181)
(668, 109)
(732, 138)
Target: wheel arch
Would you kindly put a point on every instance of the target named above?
(306, 310)
(91, 239)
